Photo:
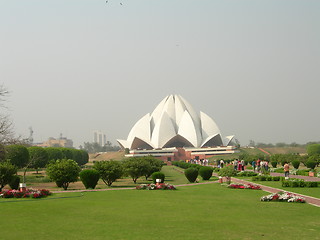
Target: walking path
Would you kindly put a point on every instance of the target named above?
(311, 200)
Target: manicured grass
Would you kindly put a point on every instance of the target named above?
(174, 175)
(207, 211)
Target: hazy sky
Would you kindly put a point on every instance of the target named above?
(76, 66)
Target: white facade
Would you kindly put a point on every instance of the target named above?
(174, 123)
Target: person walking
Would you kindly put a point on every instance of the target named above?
(253, 165)
(286, 170)
(235, 164)
(221, 163)
(242, 165)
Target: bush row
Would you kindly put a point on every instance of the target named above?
(247, 174)
(185, 165)
(266, 178)
(299, 183)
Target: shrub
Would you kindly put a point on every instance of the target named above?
(279, 170)
(158, 175)
(205, 172)
(303, 172)
(14, 183)
(268, 178)
(295, 164)
(191, 174)
(311, 164)
(89, 178)
(276, 178)
(274, 164)
(228, 172)
(63, 172)
(247, 174)
(311, 184)
(7, 171)
(265, 178)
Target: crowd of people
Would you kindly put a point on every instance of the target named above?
(203, 162)
(239, 165)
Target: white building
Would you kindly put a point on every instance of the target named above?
(174, 124)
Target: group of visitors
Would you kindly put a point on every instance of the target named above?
(238, 164)
(203, 162)
(260, 165)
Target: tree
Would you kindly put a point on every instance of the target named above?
(54, 153)
(18, 155)
(135, 167)
(77, 156)
(151, 165)
(2, 153)
(6, 126)
(63, 172)
(7, 171)
(67, 153)
(85, 157)
(38, 157)
(96, 147)
(109, 171)
(313, 149)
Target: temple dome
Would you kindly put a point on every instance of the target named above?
(174, 123)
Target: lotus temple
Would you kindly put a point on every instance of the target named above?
(175, 131)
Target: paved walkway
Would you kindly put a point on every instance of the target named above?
(311, 200)
(306, 178)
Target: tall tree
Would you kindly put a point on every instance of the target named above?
(6, 131)
(38, 157)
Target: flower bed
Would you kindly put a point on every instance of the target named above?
(244, 186)
(161, 186)
(283, 197)
(29, 193)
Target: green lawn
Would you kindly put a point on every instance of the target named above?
(207, 211)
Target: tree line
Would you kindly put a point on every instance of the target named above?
(63, 172)
(14, 157)
(280, 144)
(96, 147)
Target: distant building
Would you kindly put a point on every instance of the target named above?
(53, 142)
(100, 138)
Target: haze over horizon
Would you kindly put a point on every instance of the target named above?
(73, 67)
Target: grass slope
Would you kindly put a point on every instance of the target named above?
(194, 212)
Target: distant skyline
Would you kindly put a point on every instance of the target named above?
(76, 66)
